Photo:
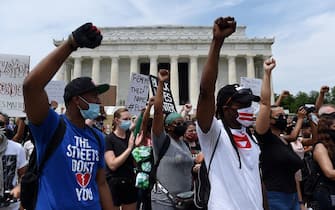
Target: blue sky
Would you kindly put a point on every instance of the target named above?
(304, 30)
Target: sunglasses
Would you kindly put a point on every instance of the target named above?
(328, 115)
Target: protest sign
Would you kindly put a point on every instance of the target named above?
(55, 91)
(255, 85)
(13, 70)
(168, 102)
(138, 93)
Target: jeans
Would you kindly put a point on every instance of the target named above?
(283, 201)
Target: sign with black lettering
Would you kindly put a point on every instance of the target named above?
(13, 70)
(138, 93)
(168, 102)
(55, 91)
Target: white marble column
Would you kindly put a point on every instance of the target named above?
(153, 65)
(133, 65)
(96, 70)
(231, 70)
(250, 66)
(114, 80)
(193, 81)
(60, 73)
(77, 68)
(174, 79)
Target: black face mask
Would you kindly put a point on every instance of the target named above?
(180, 130)
(331, 134)
(281, 122)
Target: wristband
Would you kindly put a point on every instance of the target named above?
(301, 202)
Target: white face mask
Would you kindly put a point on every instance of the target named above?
(245, 116)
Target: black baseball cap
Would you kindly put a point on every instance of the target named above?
(82, 85)
(235, 93)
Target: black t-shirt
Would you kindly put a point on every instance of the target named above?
(119, 145)
(278, 163)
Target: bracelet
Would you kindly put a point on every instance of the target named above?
(301, 202)
(72, 43)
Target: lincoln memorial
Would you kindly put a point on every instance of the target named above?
(180, 49)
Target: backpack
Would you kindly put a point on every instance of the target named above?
(202, 185)
(310, 176)
(30, 180)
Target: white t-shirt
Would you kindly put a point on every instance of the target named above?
(232, 188)
(13, 159)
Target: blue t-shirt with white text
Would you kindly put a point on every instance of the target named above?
(68, 179)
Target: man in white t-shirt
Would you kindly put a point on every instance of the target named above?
(234, 172)
(12, 167)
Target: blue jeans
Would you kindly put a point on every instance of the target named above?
(283, 201)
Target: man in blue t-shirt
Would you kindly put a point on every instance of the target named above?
(74, 176)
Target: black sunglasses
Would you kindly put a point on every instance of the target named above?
(328, 115)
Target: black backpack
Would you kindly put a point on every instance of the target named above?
(30, 180)
(202, 185)
(310, 176)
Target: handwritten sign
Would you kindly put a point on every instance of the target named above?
(138, 93)
(253, 83)
(168, 102)
(13, 70)
(55, 91)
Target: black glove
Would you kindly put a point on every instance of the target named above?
(87, 35)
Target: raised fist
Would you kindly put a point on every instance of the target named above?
(285, 93)
(269, 65)
(224, 27)
(324, 89)
(87, 35)
(163, 75)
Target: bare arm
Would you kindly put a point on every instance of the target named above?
(223, 27)
(284, 94)
(321, 156)
(104, 192)
(295, 132)
(321, 97)
(263, 118)
(114, 162)
(158, 121)
(35, 97)
(20, 130)
(146, 116)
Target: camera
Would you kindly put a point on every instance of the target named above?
(309, 108)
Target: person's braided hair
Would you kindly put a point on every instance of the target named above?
(219, 115)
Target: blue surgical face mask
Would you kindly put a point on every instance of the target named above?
(125, 124)
(92, 112)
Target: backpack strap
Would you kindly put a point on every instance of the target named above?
(96, 136)
(53, 144)
(216, 144)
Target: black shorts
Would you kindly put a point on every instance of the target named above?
(123, 190)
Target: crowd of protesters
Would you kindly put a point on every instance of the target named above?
(258, 164)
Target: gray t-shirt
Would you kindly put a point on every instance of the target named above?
(175, 168)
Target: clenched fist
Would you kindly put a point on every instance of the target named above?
(87, 35)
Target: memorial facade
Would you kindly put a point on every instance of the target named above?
(181, 49)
